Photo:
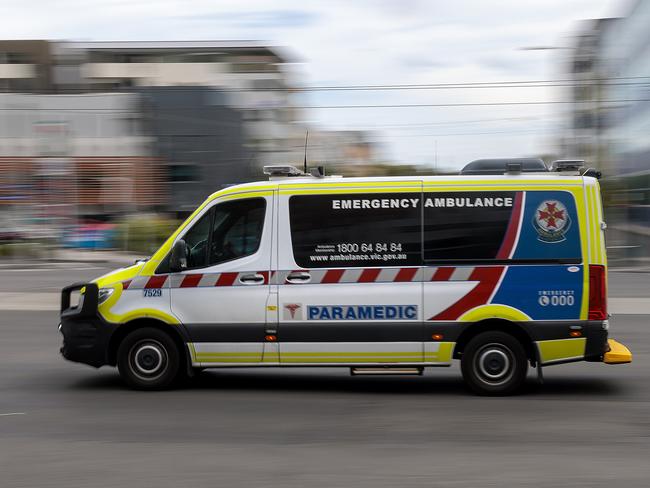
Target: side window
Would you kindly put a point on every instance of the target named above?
(354, 230)
(521, 226)
(237, 229)
(197, 242)
(466, 226)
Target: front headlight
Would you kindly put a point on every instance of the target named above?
(104, 294)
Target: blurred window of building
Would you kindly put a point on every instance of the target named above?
(252, 67)
(267, 84)
(184, 173)
(15, 58)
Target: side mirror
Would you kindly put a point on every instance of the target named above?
(178, 258)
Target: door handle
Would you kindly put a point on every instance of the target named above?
(298, 277)
(251, 279)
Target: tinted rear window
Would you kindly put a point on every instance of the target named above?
(501, 226)
(329, 231)
(465, 225)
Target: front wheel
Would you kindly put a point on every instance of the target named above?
(494, 363)
(148, 359)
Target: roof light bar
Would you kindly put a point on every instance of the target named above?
(282, 170)
(568, 165)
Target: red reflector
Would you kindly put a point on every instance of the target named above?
(597, 292)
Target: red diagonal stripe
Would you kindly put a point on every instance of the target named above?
(443, 274)
(488, 277)
(369, 275)
(405, 274)
(266, 276)
(333, 276)
(191, 280)
(226, 279)
(126, 284)
(513, 227)
(156, 281)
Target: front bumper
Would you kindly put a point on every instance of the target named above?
(86, 336)
(86, 340)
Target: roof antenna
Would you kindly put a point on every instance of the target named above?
(305, 161)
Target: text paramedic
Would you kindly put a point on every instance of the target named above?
(448, 202)
(362, 312)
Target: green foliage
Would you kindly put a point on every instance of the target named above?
(144, 233)
(21, 250)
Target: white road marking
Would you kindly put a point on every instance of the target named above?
(12, 413)
(41, 270)
(30, 301)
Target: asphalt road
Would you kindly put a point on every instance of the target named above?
(70, 425)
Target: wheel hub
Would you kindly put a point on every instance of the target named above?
(494, 364)
(148, 359)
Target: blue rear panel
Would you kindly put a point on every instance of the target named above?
(549, 231)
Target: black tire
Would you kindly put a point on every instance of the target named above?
(494, 363)
(148, 359)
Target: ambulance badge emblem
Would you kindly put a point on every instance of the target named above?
(551, 221)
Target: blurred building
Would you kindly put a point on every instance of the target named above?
(588, 115)
(256, 77)
(626, 56)
(612, 115)
(64, 157)
(352, 148)
(106, 154)
(104, 128)
(199, 140)
(25, 66)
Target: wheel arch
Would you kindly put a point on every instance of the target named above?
(174, 331)
(516, 330)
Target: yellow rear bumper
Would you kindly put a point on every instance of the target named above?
(617, 354)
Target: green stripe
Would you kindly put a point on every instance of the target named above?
(352, 359)
(378, 353)
(561, 349)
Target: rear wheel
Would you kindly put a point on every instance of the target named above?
(148, 359)
(494, 363)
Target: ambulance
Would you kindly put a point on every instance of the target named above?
(501, 267)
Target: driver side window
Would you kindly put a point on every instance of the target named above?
(227, 231)
(197, 239)
(237, 229)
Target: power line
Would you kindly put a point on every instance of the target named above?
(307, 107)
(467, 85)
(571, 82)
(467, 104)
(514, 131)
(456, 122)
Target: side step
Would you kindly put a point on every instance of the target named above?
(386, 371)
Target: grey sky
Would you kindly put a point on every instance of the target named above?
(370, 42)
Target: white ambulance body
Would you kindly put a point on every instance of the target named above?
(380, 275)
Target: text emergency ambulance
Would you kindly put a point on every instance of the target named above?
(380, 275)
